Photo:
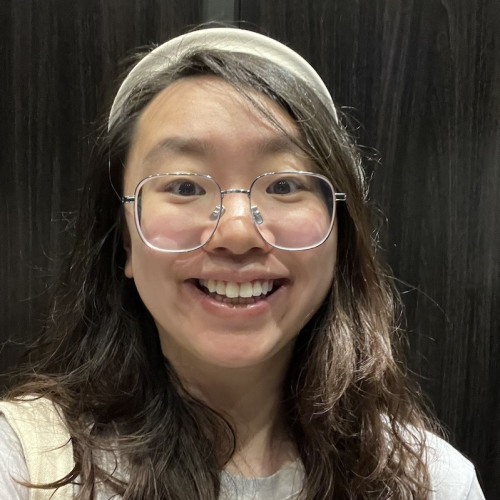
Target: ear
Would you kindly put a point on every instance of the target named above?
(128, 269)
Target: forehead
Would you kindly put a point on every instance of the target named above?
(213, 93)
(204, 125)
(212, 112)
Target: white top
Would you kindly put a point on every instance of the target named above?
(452, 476)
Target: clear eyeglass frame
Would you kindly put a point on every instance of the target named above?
(220, 210)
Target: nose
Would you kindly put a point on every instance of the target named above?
(236, 232)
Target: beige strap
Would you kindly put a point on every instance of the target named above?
(46, 444)
(227, 39)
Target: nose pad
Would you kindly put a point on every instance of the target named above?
(217, 212)
(238, 230)
(256, 215)
(220, 210)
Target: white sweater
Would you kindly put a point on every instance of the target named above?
(34, 446)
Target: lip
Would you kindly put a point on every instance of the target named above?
(231, 311)
(240, 277)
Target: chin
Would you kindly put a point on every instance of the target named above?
(245, 357)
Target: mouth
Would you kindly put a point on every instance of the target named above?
(239, 294)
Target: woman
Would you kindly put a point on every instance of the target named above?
(223, 327)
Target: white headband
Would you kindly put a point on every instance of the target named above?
(230, 39)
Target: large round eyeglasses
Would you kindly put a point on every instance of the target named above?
(180, 212)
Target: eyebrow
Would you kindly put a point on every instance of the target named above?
(192, 146)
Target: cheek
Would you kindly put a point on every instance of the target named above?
(154, 232)
(142, 261)
(323, 265)
(153, 275)
(313, 285)
(129, 234)
(288, 230)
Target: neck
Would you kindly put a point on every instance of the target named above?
(251, 399)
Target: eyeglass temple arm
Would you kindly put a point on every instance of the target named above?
(131, 199)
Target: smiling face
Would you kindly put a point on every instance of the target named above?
(237, 302)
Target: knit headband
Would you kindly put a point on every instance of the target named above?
(230, 39)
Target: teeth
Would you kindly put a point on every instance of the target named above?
(233, 290)
(246, 290)
(256, 288)
(211, 285)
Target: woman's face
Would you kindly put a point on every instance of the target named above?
(202, 125)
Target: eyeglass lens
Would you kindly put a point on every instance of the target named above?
(180, 212)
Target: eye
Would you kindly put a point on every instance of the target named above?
(284, 186)
(184, 187)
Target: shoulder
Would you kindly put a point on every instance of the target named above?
(37, 421)
(40, 441)
(452, 476)
(12, 463)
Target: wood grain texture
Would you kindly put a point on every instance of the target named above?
(60, 64)
(422, 79)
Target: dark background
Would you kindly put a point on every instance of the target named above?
(422, 79)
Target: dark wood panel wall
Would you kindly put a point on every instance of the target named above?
(421, 77)
(60, 61)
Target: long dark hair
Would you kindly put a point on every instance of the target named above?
(355, 419)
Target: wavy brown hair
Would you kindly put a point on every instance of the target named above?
(355, 419)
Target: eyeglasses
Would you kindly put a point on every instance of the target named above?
(180, 212)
